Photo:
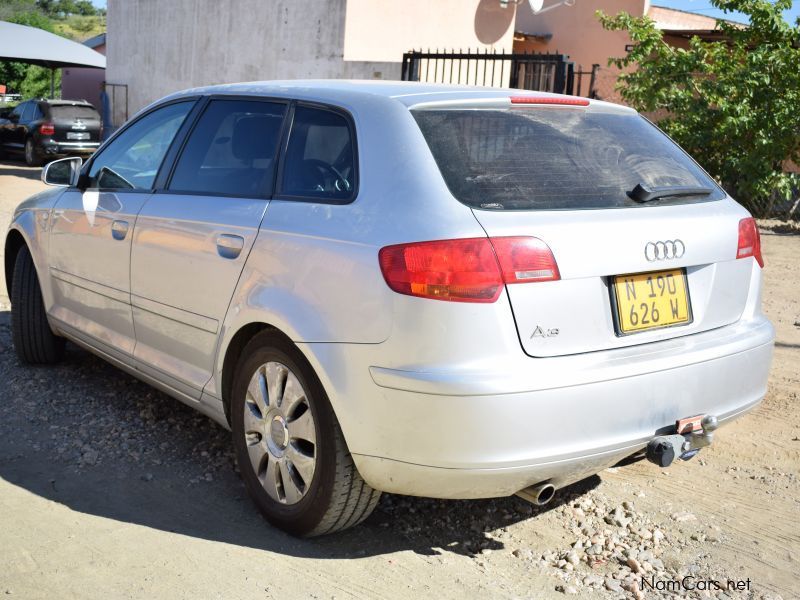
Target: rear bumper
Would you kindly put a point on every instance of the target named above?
(475, 434)
(53, 148)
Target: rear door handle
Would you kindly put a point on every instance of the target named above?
(119, 229)
(229, 246)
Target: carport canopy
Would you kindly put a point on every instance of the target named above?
(38, 47)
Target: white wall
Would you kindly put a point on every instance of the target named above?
(385, 29)
(158, 47)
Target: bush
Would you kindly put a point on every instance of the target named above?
(733, 104)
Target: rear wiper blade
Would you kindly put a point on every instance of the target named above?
(642, 193)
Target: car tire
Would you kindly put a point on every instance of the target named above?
(31, 159)
(274, 388)
(34, 341)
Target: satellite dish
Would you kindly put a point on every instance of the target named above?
(536, 5)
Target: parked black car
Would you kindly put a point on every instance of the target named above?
(43, 130)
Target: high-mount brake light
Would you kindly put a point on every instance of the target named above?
(553, 100)
(749, 241)
(466, 270)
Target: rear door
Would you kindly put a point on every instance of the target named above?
(631, 271)
(7, 127)
(15, 131)
(75, 123)
(192, 239)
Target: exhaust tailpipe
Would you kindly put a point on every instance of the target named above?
(539, 494)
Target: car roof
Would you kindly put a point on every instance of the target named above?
(409, 93)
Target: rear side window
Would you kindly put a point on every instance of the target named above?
(231, 150)
(320, 157)
(27, 115)
(553, 158)
(74, 112)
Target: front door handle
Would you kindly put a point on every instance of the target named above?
(119, 229)
(229, 246)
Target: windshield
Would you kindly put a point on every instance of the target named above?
(552, 158)
(74, 112)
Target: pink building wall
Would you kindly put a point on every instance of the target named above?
(84, 84)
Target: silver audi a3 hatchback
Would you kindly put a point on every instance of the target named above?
(390, 287)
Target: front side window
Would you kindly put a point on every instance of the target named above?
(231, 150)
(131, 161)
(320, 157)
(554, 158)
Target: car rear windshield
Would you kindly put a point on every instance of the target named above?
(74, 112)
(556, 158)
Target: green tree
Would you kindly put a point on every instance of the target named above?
(733, 104)
(21, 78)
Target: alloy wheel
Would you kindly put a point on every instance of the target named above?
(280, 433)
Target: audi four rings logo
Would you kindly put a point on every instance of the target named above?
(670, 249)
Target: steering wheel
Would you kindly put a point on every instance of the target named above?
(339, 181)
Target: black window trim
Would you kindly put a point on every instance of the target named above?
(190, 116)
(162, 183)
(279, 195)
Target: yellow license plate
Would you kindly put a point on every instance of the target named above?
(651, 300)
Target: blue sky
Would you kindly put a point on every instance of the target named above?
(704, 8)
(698, 6)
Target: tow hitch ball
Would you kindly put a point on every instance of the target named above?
(692, 435)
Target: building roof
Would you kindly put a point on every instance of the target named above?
(673, 19)
(94, 42)
(39, 47)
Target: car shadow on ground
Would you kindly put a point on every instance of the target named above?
(20, 169)
(90, 437)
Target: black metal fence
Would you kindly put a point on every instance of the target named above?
(522, 70)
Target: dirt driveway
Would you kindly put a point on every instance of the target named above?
(109, 489)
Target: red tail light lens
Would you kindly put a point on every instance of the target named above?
(749, 241)
(466, 270)
(47, 129)
(456, 270)
(565, 101)
(525, 259)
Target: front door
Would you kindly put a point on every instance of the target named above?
(192, 239)
(92, 229)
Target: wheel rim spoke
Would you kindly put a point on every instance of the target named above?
(293, 395)
(253, 419)
(302, 428)
(275, 381)
(290, 490)
(257, 392)
(269, 478)
(303, 464)
(257, 450)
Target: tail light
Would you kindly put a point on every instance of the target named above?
(47, 129)
(557, 100)
(749, 241)
(466, 270)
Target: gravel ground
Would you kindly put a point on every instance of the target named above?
(109, 488)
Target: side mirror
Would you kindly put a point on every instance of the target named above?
(63, 172)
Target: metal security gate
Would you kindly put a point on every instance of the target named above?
(522, 70)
